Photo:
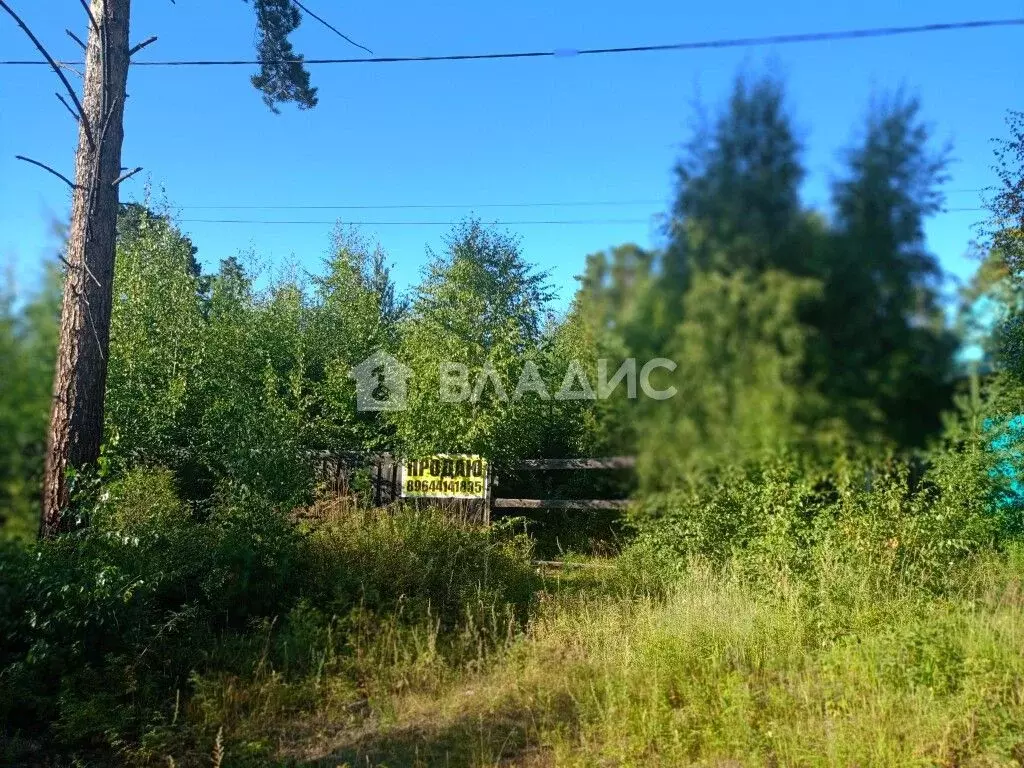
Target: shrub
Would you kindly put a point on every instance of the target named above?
(772, 518)
(99, 625)
(736, 509)
(413, 562)
(102, 629)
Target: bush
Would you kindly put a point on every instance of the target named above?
(737, 509)
(101, 624)
(101, 630)
(415, 562)
(772, 518)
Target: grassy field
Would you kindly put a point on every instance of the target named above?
(405, 638)
(712, 671)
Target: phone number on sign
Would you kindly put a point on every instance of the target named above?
(475, 487)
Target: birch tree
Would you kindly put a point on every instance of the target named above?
(76, 422)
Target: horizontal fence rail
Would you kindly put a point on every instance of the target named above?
(612, 462)
(581, 504)
(547, 465)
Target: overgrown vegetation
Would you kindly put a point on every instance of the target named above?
(104, 629)
(822, 563)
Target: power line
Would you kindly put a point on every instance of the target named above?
(411, 223)
(560, 222)
(457, 206)
(417, 206)
(739, 42)
(331, 27)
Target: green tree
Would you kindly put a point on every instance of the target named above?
(28, 339)
(1007, 204)
(157, 339)
(885, 349)
(619, 313)
(354, 313)
(77, 418)
(738, 183)
(247, 432)
(584, 427)
(619, 300)
(482, 306)
(1006, 234)
(743, 393)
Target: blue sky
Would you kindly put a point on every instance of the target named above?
(482, 133)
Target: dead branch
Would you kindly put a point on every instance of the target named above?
(95, 333)
(46, 54)
(126, 176)
(69, 68)
(45, 167)
(88, 271)
(92, 19)
(141, 45)
(67, 106)
(75, 37)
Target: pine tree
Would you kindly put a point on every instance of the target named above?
(884, 346)
(737, 201)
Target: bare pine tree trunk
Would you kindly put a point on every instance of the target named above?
(76, 421)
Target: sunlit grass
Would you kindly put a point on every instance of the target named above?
(715, 672)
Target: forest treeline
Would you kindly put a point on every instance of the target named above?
(821, 563)
(791, 329)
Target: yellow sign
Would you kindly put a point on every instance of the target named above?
(445, 475)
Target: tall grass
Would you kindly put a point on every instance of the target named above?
(718, 671)
(721, 671)
(840, 626)
(149, 632)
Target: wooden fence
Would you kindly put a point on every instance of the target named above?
(337, 470)
(613, 462)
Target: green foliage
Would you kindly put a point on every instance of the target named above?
(1005, 232)
(106, 621)
(722, 672)
(885, 353)
(156, 330)
(844, 330)
(28, 344)
(101, 629)
(780, 516)
(742, 386)
(739, 508)
(619, 303)
(772, 532)
(1006, 227)
(282, 76)
(482, 306)
(580, 427)
(228, 386)
(353, 313)
(738, 181)
(417, 564)
(619, 312)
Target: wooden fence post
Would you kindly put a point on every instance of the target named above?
(396, 492)
(489, 483)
